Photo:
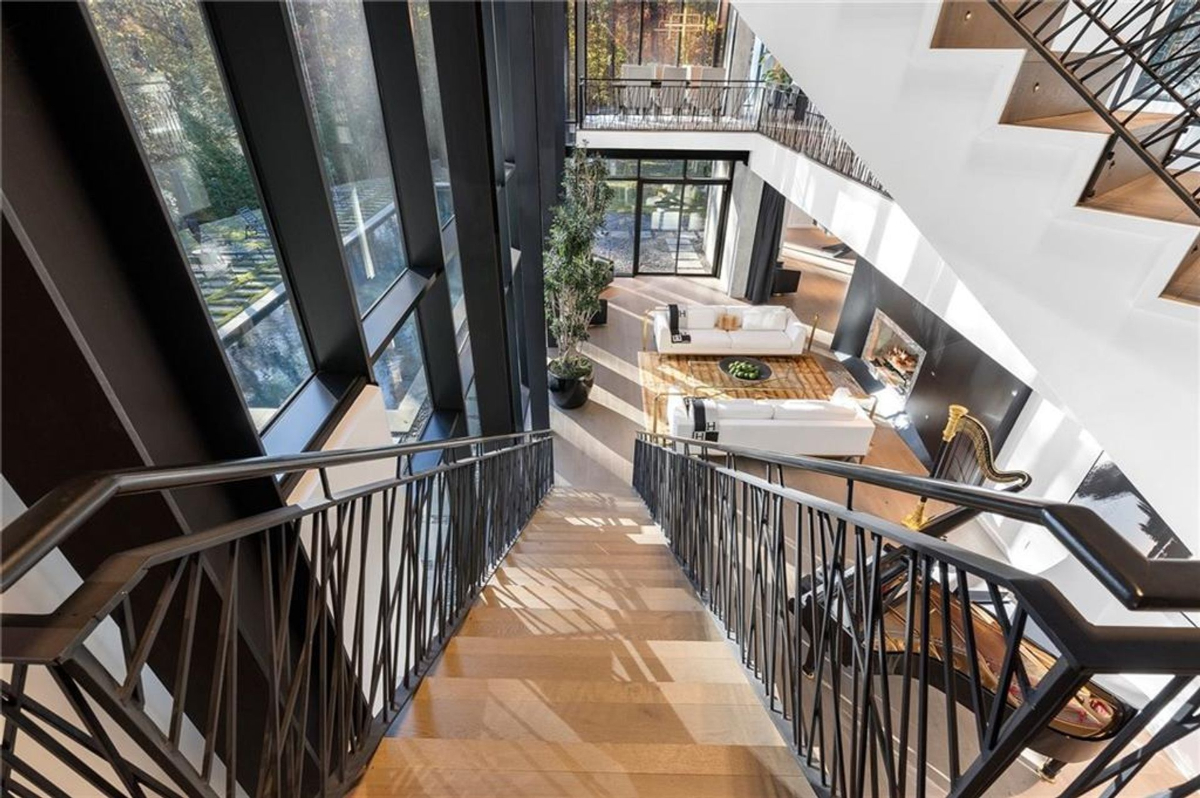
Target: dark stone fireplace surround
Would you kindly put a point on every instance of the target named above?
(954, 371)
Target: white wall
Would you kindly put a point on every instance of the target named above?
(740, 221)
(365, 425)
(1077, 290)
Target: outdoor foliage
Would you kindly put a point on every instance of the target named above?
(574, 277)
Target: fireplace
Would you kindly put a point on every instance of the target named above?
(891, 355)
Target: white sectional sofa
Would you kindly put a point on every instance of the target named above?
(763, 330)
(835, 428)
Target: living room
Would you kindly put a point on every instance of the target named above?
(841, 362)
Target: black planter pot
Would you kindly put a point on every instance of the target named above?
(569, 392)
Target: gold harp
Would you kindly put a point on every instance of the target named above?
(966, 455)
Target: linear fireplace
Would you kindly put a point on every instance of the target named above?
(891, 355)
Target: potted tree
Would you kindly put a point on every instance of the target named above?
(574, 278)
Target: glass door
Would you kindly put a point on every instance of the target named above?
(658, 239)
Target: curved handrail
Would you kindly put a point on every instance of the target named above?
(60, 512)
(1138, 583)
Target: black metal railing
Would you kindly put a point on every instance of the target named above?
(785, 115)
(849, 621)
(1137, 65)
(341, 603)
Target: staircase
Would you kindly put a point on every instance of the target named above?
(1083, 255)
(588, 666)
(462, 629)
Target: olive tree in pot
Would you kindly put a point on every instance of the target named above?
(574, 278)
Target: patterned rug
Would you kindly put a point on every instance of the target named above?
(663, 376)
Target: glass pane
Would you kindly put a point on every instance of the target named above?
(708, 169)
(700, 224)
(400, 372)
(660, 228)
(454, 281)
(613, 27)
(615, 239)
(662, 168)
(701, 33)
(168, 77)
(336, 55)
(621, 167)
(431, 104)
(660, 33)
(474, 428)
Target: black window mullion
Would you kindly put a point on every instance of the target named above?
(392, 50)
(458, 33)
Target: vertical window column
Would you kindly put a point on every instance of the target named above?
(458, 41)
(416, 164)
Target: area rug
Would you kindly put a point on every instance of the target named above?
(663, 376)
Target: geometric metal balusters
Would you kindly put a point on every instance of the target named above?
(357, 594)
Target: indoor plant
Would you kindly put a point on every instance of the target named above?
(573, 277)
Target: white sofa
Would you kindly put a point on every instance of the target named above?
(765, 330)
(835, 428)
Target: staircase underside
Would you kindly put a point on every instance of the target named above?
(587, 667)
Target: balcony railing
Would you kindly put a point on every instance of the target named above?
(783, 115)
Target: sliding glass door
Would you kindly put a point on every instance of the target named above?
(665, 216)
(658, 241)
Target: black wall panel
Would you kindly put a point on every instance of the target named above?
(955, 371)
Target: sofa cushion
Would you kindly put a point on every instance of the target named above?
(813, 410)
(699, 317)
(758, 340)
(765, 318)
(708, 339)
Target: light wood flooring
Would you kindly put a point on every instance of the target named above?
(587, 668)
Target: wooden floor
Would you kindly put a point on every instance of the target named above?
(586, 668)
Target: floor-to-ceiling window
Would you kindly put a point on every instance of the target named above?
(666, 216)
(168, 76)
(335, 54)
(667, 32)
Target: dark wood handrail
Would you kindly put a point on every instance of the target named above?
(54, 517)
(1138, 583)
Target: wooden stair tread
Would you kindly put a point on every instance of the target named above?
(1149, 196)
(1090, 121)
(591, 624)
(566, 691)
(518, 755)
(568, 598)
(548, 784)
(631, 577)
(587, 666)
(592, 722)
(1185, 284)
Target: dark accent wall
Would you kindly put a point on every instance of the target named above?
(955, 371)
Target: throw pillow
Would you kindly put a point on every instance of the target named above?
(765, 318)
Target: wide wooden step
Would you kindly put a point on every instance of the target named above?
(591, 624)
(587, 667)
(1149, 196)
(1092, 122)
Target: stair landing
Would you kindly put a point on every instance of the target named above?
(587, 667)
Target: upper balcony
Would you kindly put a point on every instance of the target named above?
(653, 97)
